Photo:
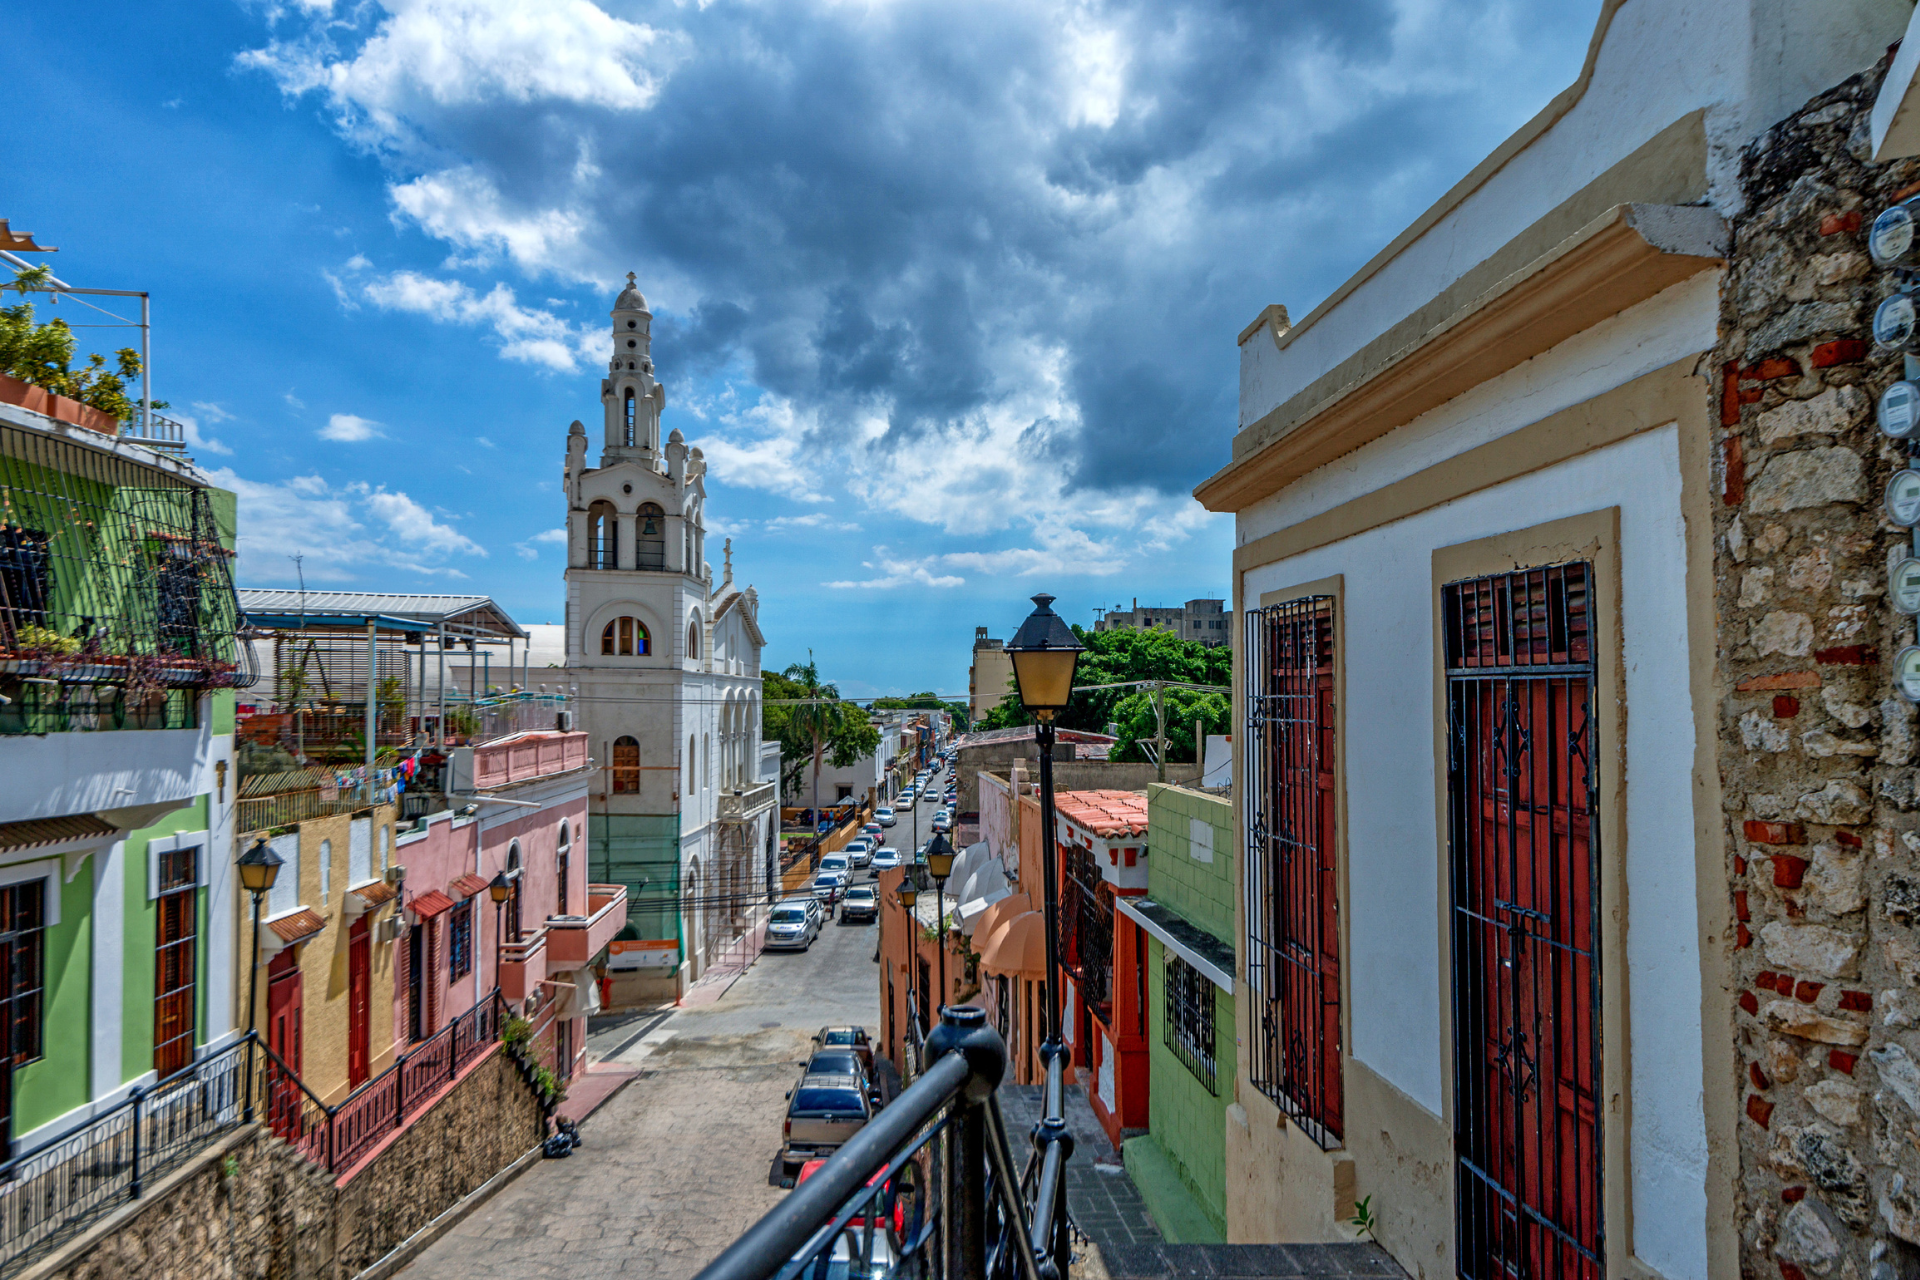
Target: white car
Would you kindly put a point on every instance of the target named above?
(795, 923)
(885, 860)
(859, 852)
(884, 816)
(836, 864)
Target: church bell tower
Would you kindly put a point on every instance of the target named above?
(632, 399)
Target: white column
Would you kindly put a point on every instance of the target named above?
(109, 965)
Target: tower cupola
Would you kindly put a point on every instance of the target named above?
(633, 399)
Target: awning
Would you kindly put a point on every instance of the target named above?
(363, 898)
(467, 886)
(296, 926)
(1189, 941)
(43, 831)
(427, 905)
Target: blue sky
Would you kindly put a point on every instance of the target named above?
(947, 293)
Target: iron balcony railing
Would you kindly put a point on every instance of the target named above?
(929, 1187)
(54, 1191)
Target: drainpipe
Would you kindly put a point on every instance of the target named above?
(373, 720)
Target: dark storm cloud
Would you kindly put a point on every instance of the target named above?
(897, 210)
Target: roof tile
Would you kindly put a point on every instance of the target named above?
(1107, 814)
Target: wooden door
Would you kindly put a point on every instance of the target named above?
(284, 1112)
(1523, 791)
(359, 1000)
(416, 979)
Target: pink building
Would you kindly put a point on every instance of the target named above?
(520, 815)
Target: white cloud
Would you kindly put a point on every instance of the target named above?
(482, 440)
(524, 333)
(817, 521)
(212, 412)
(352, 533)
(346, 428)
(464, 208)
(197, 440)
(890, 572)
(529, 551)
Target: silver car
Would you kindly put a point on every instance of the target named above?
(794, 924)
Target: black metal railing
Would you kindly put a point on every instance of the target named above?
(52, 1192)
(929, 1187)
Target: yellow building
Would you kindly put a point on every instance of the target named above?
(990, 676)
(324, 993)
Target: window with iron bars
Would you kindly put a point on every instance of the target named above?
(23, 920)
(1292, 910)
(1087, 916)
(1189, 1022)
(460, 939)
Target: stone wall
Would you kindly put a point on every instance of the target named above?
(252, 1208)
(1816, 750)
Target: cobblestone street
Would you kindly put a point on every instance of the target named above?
(678, 1163)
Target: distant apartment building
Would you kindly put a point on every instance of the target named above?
(989, 676)
(1209, 622)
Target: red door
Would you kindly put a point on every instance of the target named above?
(359, 982)
(1524, 786)
(283, 1037)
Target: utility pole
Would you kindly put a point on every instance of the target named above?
(1160, 727)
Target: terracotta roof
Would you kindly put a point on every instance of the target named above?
(468, 885)
(296, 925)
(27, 835)
(427, 905)
(376, 893)
(1108, 814)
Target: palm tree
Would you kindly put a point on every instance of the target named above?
(818, 719)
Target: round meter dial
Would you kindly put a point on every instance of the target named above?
(1906, 672)
(1903, 587)
(1903, 498)
(1891, 239)
(1894, 321)
(1899, 410)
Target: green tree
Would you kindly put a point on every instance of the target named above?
(1113, 657)
(927, 701)
(820, 727)
(43, 355)
(1134, 716)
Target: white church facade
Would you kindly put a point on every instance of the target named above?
(666, 667)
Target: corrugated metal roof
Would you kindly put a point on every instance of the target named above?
(476, 613)
(295, 925)
(427, 905)
(468, 885)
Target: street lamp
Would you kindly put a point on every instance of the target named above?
(1044, 652)
(910, 894)
(940, 864)
(259, 868)
(497, 889)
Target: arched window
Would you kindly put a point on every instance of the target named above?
(566, 836)
(631, 417)
(513, 893)
(602, 536)
(650, 539)
(626, 638)
(693, 640)
(626, 767)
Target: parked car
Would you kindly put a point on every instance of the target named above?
(885, 860)
(875, 832)
(942, 823)
(905, 797)
(794, 924)
(884, 816)
(827, 888)
(891, 1224)
(840, 1060)
(862, 904)
(823, 1111)
(837, 864)
(854, 1039)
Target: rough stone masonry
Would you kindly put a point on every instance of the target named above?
(1817, 752)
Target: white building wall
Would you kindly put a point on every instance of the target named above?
(1399, 954)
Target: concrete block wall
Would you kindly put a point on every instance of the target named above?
(1186, 1120)
(1201, 891)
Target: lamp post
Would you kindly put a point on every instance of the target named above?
(910, 894)
(1044, 652)
(940, 864)
(259, 868)
(497, 889)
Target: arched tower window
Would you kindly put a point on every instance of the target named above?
(693, 640)
(631, 418)
(626, 638)
(602, 536)
(626, 769)
(650, 544)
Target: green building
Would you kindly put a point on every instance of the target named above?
(118, 662)
(1179, 1164)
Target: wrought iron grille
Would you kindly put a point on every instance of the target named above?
(175, 960)
(1087, 915)
(1189, 1021)
(1524, 848)
(1292, 908)
(112, 573)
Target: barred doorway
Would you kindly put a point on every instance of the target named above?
(1523, 857)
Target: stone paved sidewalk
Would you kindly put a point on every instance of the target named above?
(1101, 1198)
(1251, 1261)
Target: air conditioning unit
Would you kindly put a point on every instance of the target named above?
(393, 929)
(396, 874)
(563, 721)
